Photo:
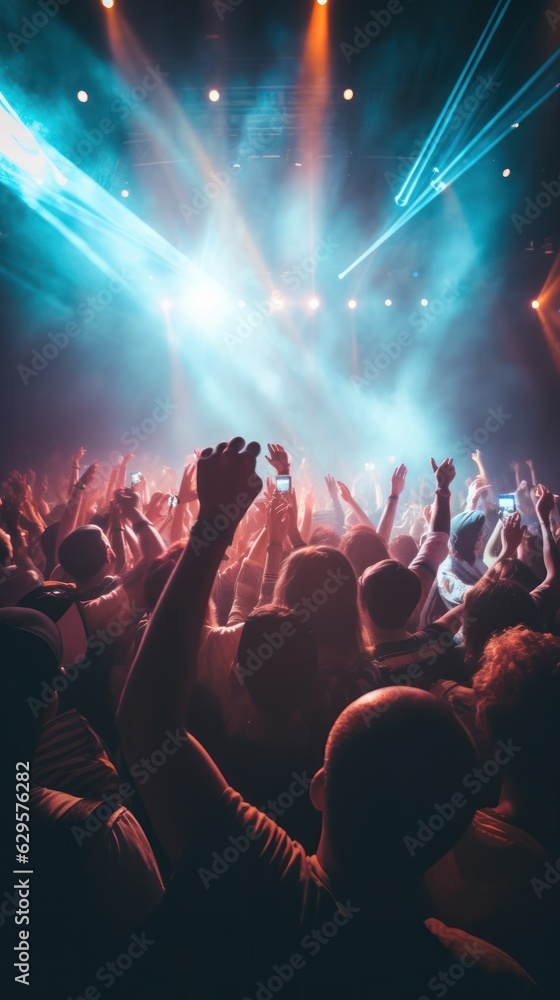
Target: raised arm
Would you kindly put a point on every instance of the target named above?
(440, 517)
(71, 512)
(477, 459)
(387, 520)
(360, 513)
(150, 541)
(152, 709)
(544, 505)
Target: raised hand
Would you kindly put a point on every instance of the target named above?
(227, 480)
(445, 473)
(278, 459)
(277, 520)
(129, 502)
(398, 480)
(88, 476)
(512, 534)
(332, 487)
(187, 489)
(345, 493)
(544, 503)
(77, 457)
(477, 456)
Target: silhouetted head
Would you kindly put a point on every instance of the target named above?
(465, 534)
(517, 691)
(491, 607)
(390, 593)
(391, 758)
(276, 661)
(31, 654)
(363, 547)
(320, 586)
(85, 553)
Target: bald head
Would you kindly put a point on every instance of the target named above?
(391, 757)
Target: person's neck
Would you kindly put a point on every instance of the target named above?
(380, 635)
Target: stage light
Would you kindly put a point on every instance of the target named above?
(415, 274)
(165, 305)
(321, 3)
(388, 302)
(124, 193)
(506, 172)
(83, 96)
(391, 459)
(352, 304)
(348, 94)
(298, 164)
(241, 304)
(535, 303)
(108, 3)
(423, 302)
(515, 125)
(314, 303)
(214, 96)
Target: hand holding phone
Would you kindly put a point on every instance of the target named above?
(284, 484)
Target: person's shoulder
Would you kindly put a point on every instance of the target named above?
(500, 973)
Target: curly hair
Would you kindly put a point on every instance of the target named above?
(517, 691)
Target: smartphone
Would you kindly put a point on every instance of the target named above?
(284, 484)
(173, 501)
(506, 503)
(137, 477)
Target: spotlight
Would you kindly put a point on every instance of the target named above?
(241, 304)
(506, 172)
(321, 2)
(348, 94)
(108, 3)
(352, 304)
(391, 459)
(124, 193)
(165, 305)
(214, 96)
(515, 125)
(424, 302)
(298, 164)
(314, 303)
(83, 96)
(388, 302)
(535, 304)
